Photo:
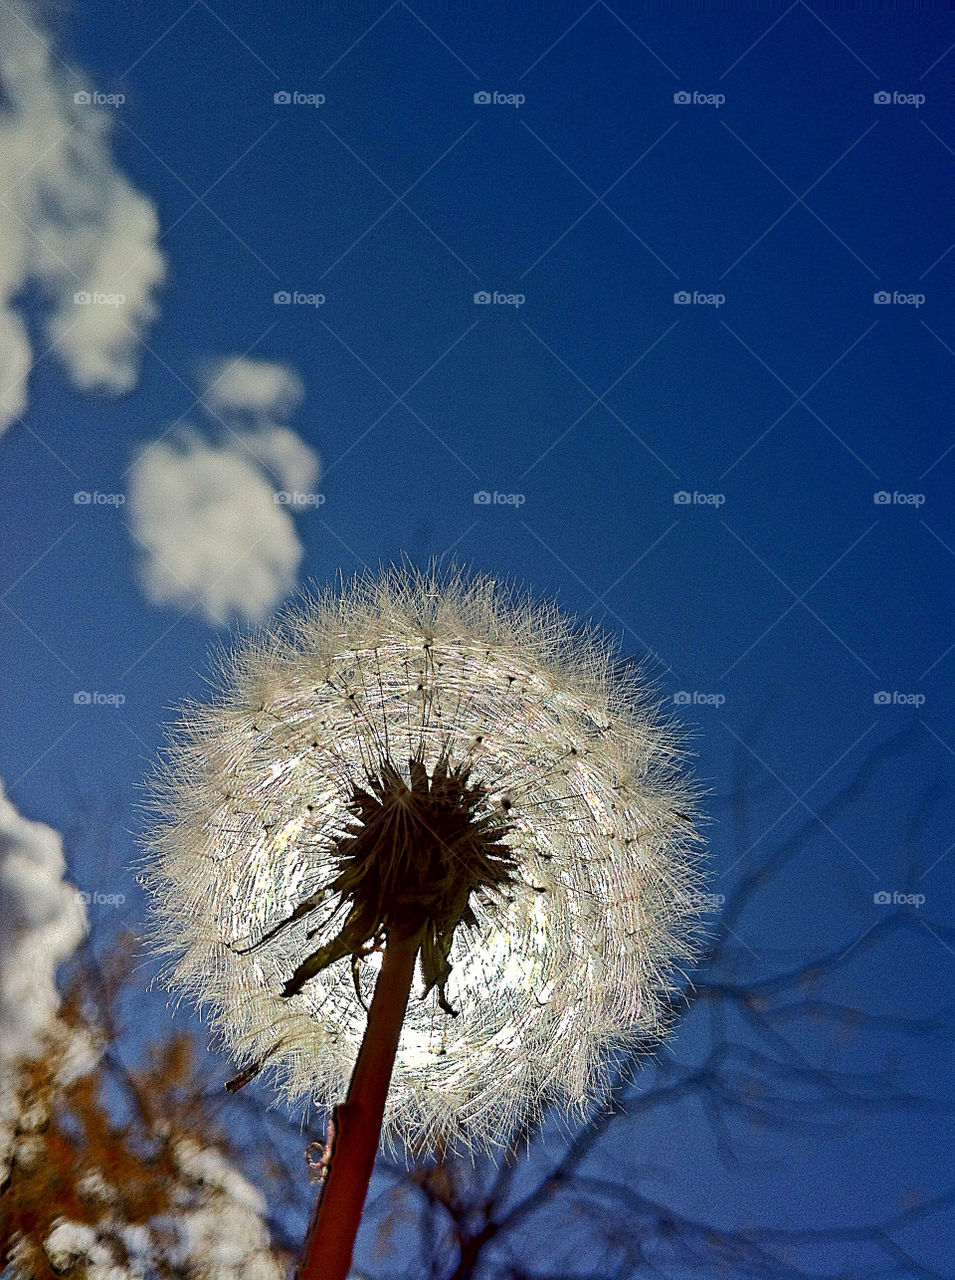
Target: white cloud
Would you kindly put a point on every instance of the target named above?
(254, 398)
(261, 388)
(71, 224)
(207, 519)
(286, 455)
(209, 515)
(225, 1230)
(42, 921)
(217, 1229)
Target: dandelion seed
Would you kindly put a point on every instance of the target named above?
(437, 760)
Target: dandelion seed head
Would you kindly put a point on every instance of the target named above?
(565, 961)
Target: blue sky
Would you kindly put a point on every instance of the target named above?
(752, 486)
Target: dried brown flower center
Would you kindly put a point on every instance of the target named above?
(407, 866)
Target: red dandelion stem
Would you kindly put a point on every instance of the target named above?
(356, 1127)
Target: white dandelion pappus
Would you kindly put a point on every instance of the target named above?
(564, 966)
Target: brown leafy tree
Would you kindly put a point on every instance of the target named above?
(121, 1171)
(761, 1058)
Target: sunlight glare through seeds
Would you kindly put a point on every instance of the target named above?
(570, 960)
